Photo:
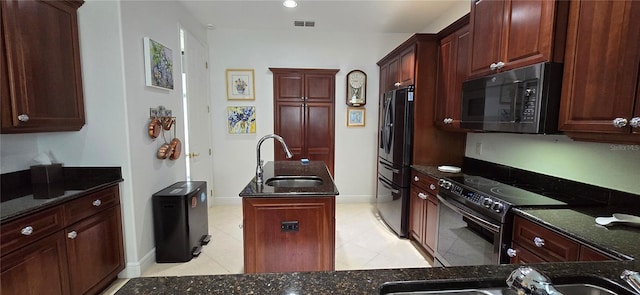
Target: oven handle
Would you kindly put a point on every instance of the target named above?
(482, 222)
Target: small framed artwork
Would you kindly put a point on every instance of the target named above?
(355, 117)
(240, 84)
(158, 64)
(241, 119)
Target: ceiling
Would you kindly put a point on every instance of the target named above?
(365, 16)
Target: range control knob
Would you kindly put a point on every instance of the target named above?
(497, 207)
(487, 202)
(444, 184)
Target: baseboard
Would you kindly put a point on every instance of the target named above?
(135, 269)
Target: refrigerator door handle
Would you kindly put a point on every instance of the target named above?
(394, 170)
(384, 183)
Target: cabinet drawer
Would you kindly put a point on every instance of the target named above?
(26, 230)
(91, 204)
(424, 182)
(543, 242)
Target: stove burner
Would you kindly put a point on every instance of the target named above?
(479, 181)
(509, 192)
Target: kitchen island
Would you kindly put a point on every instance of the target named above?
(289, 219)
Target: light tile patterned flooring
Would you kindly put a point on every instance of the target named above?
(362, 242)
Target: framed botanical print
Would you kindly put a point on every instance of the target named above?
(158, 64)
(240, 85)
(355, 117)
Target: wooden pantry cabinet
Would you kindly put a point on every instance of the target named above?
(513, 33)
(40, 73)
(289, 234)
(601, 82)
(533, 243)
(423, 211)
(72, 248)
(452, 71)
(304, 108)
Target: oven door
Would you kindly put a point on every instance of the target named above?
(465, 238)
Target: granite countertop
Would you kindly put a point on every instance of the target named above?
(579, 223)
(20, 197)
(434, 172)
(291, 168)
(362, 281)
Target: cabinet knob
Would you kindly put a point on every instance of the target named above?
(500, 65)
(635, 122)
(97, 203)
(448, 120)
(397, 84)
(512, 252)
(619, 122)
(432, 186)
(493, 66)
(27, 231)
(538, 241)
(23, 117)
(72, 234)
(422, 196)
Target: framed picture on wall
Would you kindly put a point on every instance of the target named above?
(355, 117)
(241, 119)
(158, 64)
(240, 84)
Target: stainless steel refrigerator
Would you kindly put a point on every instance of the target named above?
(395, 129)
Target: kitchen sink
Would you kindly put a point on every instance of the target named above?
(294, 181)
(567, 286)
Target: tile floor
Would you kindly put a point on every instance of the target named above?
(362, 242)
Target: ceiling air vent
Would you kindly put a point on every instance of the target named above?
(301, 23)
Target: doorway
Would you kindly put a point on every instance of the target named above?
(197, 114)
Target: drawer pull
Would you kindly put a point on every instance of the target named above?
(422, 196)
(512, 252)
(27, 231)
(97, 203)
(72, 235)
(538, 241)
(415, 178)
(432, 186)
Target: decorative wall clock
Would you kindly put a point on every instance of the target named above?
(356, 88)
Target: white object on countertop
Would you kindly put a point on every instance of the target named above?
(450, 169)
(619, 217)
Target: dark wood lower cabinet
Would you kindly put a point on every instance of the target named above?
(423, 211)
(39, 268)
(63, 250)
(289, 234)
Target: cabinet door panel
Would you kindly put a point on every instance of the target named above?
(289, 121)
(523, 256)
(601, 65)
(392, 73)
(93, 260)
(289, 87)
(407, 66)
(529, 27)
(40, 268)
(486, 35)
(319, 87)
(43, 64)
(431, 221)
(319, 133)
(417, 212)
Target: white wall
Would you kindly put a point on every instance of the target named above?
(234, 156)
(458, 9)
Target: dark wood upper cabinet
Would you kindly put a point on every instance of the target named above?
(399, 70)
(601, 81)
(40, 65)
(511, 34)
(304, 104)
(452, 71)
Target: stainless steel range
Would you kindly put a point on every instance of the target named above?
(475, 219)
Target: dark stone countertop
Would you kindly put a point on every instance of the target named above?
(434, 172)
(20, 197)
(579, 223)
(363, 281)
(292, 168)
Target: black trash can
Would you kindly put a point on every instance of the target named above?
(180, 221)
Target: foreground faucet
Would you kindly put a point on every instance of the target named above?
(527, 280)
(259, 170)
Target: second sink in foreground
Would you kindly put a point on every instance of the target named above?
(294, 181)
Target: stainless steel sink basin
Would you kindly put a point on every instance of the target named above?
(294, 181)
(567, 286)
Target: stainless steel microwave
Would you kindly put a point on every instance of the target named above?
(523, 100)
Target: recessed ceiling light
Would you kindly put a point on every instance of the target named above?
(290, 3)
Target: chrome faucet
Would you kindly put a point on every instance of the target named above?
(259, 170)
(527, 280)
